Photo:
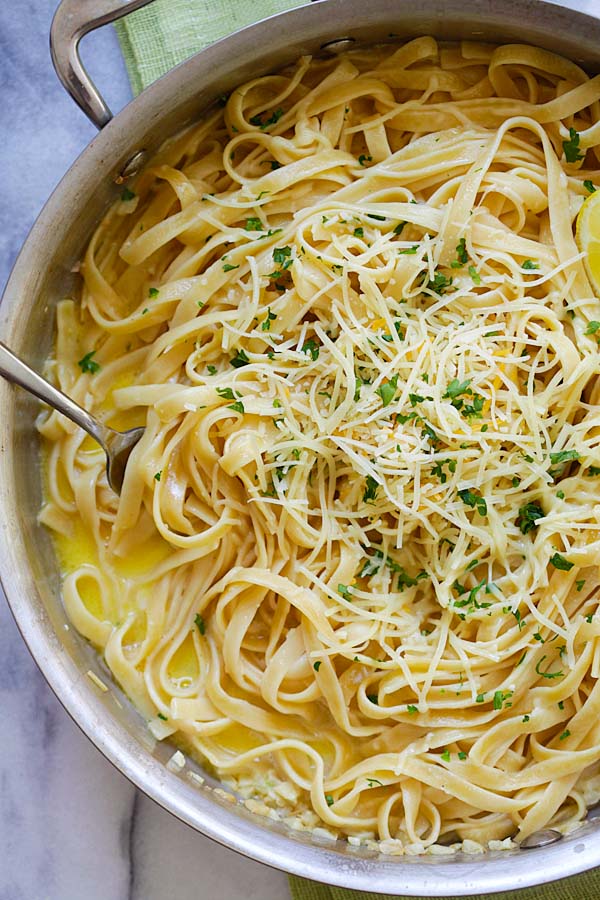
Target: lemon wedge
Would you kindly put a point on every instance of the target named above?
(588, 237)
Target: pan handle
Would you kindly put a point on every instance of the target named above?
(72, 21)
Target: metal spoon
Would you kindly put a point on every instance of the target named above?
(116, 444)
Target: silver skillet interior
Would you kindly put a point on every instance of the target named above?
(42, 275)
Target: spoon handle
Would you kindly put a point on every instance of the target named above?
(14, 369)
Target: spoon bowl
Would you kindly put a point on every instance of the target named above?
(116, 444)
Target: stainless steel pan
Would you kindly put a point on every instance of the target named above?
(43, 274)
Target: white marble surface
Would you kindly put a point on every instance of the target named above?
(71, 827)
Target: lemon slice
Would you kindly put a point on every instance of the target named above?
(588, 237)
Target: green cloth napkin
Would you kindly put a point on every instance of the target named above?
(153, 40)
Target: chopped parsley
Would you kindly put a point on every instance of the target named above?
(589, 186)
(312, 348)
(472, 499)
(374, 781)
(238, 407)
(476, 277)
(153, 292)
(528, 516)
(501, 699)
(225, 393)
(571, 147)
(266, 325)
(446, 755)
(227, 267)
(160, 716)
(529, 265)
(199, 621)
(272, 120)
(579, 584)
(157, 475)
(592, 327)
(462, 257)
(399, 228)
(559, 562)
(547, 674)
(566, 733)
(240, 359)
(563, 455)
(345, 591)
(387, 391)
(317, 665)
(88, 364)
(438, 469)
(370, 492)
(362, 159)
(411, 709)
(440, 283)
(409, 250)
(359, 232)
(253, 224)
(127, 195)
(329, 800)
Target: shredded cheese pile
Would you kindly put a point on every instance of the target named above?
(354, 565)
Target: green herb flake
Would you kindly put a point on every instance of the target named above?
(227, 267)
(370, 492)
(559, 562)
(157, 476)
(446, 756)
(362, 159)
(528, 516)
(238, 407)
(571, 147)
(312, 349)
(411, 709)
(88, 364)
(462, 257)
(526, 718)
(473, 500)
(160, 716)
(317, 665)
(345, 591)
(127, 195)
(272, 120)
(359, 232)
(547, 674)
(387, 391)
(240, 359)
(566, 733)
(462, 755)
(563, 456)
(374, 782)
(399, 228)
(253, 224)
(592, 327)
(529, 265)
(475, 276)
(589, 186)
(153, 293)
(409, 250)
(579, 584)
(266, 325)
(329, 800)
(199, 622)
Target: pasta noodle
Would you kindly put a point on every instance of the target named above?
(354, 564)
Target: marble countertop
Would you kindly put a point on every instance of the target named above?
(72, 827)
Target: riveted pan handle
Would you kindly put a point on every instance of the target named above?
(74, 19)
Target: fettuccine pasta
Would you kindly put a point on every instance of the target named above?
(354, 564)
